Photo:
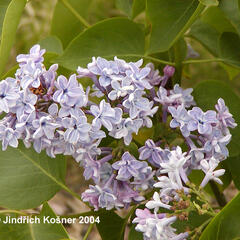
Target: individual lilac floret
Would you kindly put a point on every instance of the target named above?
(127, 167)
(217, 144)
(158, 228)
(105, 69)
(25, 103)
(139, 76)
(29, 75)
(180, 119)
(125, 194)
(68, 91)
(153, 77)
(223, 115)
(156, 203)
(203, 122)
(44, 126)
(165, 98)
(35, 55)
(185, 95)
(99, 197)
(152, 153)
(125, 129)
(174, 167)
(8, 96)
(208, 169)
(136, 103)
(120, 89)
(77, 129)
(8, 136)
(143, 215)
(168, 188)
(106, 115)
(145, 179)
(147, 113)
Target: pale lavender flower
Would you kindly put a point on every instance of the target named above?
(29, 75)
(120, 89)
(165, 98)
(180, 119)
(143, 215)
(45, 126)
(208, 168)
(125, 194)
(160, 228)
(151, 152)
(25, 103)
(147, 113)
(9, 136)
(77, 129)
(217, 143)
(139, 76)
(185, 96)
(8, 96)
(99, 197)
(136, 103)
(127, 167)
(174, 167)
(145, 179)
(126, 128)
(106, 115)
(153, 77)
(68, 91)
(168, 187)
(223, 115)
(202, 121)
(156, 203)
(106, 70)
(35, 55)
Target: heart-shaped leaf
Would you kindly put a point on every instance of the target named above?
(112, 37)
(170, 19)
(39, 230)
(27, 178)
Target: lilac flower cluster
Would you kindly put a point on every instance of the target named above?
(206, 134)
(58, 115)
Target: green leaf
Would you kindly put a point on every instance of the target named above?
(209, 2)
(231, 11)
(125, 6)
(206, 95)
(112, 37)
(35, 231)
(233, 164)
(138, 7)
(225, 225)
(131, 7)
(134, 235)
(3, 7)
(196, 176)
(64, 24)
(208, 31)
(111, 226)
(52, 44)
(10, 24)
(209, 28)
(27, 178)
(170, 20)
(229, 48)
(231, 71)
(53, 47)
